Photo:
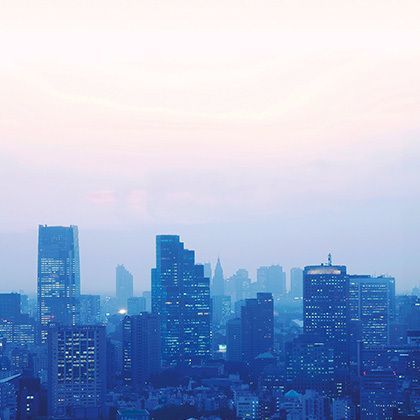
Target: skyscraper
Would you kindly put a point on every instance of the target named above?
(218, 284)
(272, 279)
(233, 340)
(257, 326)
(136, 305)
(58, 276)
(181, 298)
(296, 282)
(90, 309)
(326, 309)
(372, 303)
(123, 285)
(141, 348)
(76, 370)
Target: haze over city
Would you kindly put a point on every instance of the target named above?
(263, 135)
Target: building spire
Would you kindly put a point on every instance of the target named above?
(330, 259)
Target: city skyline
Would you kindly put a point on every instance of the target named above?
(142, 282)
(293, 126)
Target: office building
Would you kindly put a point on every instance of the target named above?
(90, 309)
(221, 309)
(326, 308)
(123, 285)
(257, 326)
(296, 282)
(181, 299)
(272, 279)
(141, 348)
(77, 370)
(218, 283)
(378, 389)
(372, 304)
(233, 340)
(136, 305)
(58, 276)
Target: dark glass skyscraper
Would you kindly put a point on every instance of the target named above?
(326, 312)
(58, 276)
(257, 326)
(181, 298)
(141, 348)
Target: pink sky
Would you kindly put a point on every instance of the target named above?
(200, 115)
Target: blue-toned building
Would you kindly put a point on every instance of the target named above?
(141, 348)
(257, 326)
(181, 298)
(372, 305)
(218, 283)
(58, 276)
(326, 308)
(123, 285)
(271, 279)
(77, 371)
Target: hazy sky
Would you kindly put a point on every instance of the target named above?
(264, 132)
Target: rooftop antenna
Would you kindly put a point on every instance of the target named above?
(330, 259)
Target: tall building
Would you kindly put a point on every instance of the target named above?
(378, 389)
(76, 370)
(9, 305)
(123, 285)
(221, 309)
(372, 304)
(58, 276)
(310, 365)
(257, 326)
(136, 305)
(141, 348)
(326, 308)
(233, 340)
(296, 282)
(218, 283)
(181, 298)
(272, 279)
(90, 309)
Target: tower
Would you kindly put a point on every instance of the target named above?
(58, 276)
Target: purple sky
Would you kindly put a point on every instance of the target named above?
(263, 132)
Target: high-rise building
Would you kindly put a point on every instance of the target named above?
(148, 296)
(272, 279)
(372, 304)
(90, 309)
(233, 340)
(123, 285)
(141, 348)
(9, 305)
(221, 309)
(257, 326)
(31, 399)
(239, 285)
(326, 308)
(296, 282)
(76, 370)
(218, 283)
(378, 390)
(136, 305)
(58, 276)
(310, 365)
(181, 298)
